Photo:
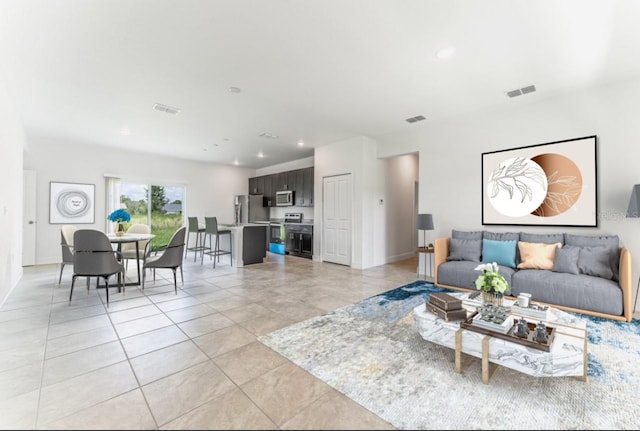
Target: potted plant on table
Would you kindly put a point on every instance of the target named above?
(492, 283)
(119, 217)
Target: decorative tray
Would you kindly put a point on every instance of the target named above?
(510, 335)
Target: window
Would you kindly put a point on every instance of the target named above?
(158, 206)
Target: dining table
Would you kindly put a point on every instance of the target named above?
(130, 238)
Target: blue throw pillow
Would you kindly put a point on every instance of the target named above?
(501, 252)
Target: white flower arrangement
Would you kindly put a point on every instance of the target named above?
(491, 279)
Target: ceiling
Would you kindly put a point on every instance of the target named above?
(90, 71)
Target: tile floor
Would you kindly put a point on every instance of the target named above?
(157, 360)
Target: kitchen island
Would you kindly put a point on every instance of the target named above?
(249, 242)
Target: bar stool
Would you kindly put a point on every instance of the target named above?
(211, 228)
(194, 227)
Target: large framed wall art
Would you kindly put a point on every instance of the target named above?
(71, 203)
(551, 184)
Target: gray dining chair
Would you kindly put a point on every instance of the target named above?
(66, 243)
(170, 258)
(93, 256)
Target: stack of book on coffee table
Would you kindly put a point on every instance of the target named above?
(446, 307)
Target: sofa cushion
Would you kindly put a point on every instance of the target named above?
(465, 249)
(500, 252)
(542, 238)
(462, 273)
(580, 291)
(611, 241)
(595, 261)
(501, 236)
(566, 260)
(537, 255)
(459, 234)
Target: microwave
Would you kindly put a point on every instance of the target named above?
(284, 198)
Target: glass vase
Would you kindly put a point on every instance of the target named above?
(492, 297)
(119, 229)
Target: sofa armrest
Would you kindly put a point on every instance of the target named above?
(625, 275)
(440, 253)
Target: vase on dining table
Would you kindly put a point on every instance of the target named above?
(119, 229)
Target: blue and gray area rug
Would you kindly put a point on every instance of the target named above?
(371, 352)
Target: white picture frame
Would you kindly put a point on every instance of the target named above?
(71, 203)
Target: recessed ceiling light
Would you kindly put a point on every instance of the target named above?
(235, 162)
(234, 90)
(300, 144)
(260, 155)
(446, 53)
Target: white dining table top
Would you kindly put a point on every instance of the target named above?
(130, 237)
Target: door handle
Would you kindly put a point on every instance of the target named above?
(31, 222)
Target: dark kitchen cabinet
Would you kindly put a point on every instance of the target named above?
(269, 192)
(307, 186)
(256, 186)
(299, 180)
(298, 184)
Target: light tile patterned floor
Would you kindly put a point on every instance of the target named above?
(160, 360)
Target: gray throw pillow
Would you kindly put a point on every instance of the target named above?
(595, 261)
(612, 242)
(566, 260)
(459, 234)
(501, 236)
(465, 249)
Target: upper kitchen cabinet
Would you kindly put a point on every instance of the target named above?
(307, 186)
(299, 180)
(256, 186)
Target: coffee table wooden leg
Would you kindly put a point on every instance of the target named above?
(459, 351)
(487, 367)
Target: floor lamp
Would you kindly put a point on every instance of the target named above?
(634, 212)
(425, 223)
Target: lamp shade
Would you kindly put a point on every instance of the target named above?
(634, 202)
(425, 222)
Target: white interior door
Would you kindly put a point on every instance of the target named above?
(336, 219)
(29, 217)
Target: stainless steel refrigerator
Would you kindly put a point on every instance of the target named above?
(249, 209)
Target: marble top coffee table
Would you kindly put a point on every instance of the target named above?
(567, 355)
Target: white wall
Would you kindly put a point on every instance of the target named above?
(12, 142)
(209, 188)
(450, 155)
(355, 156)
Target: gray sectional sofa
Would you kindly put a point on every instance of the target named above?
(578, 273)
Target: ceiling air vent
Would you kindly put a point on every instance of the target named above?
(415, 119)
(165, 108)
(521, 91)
